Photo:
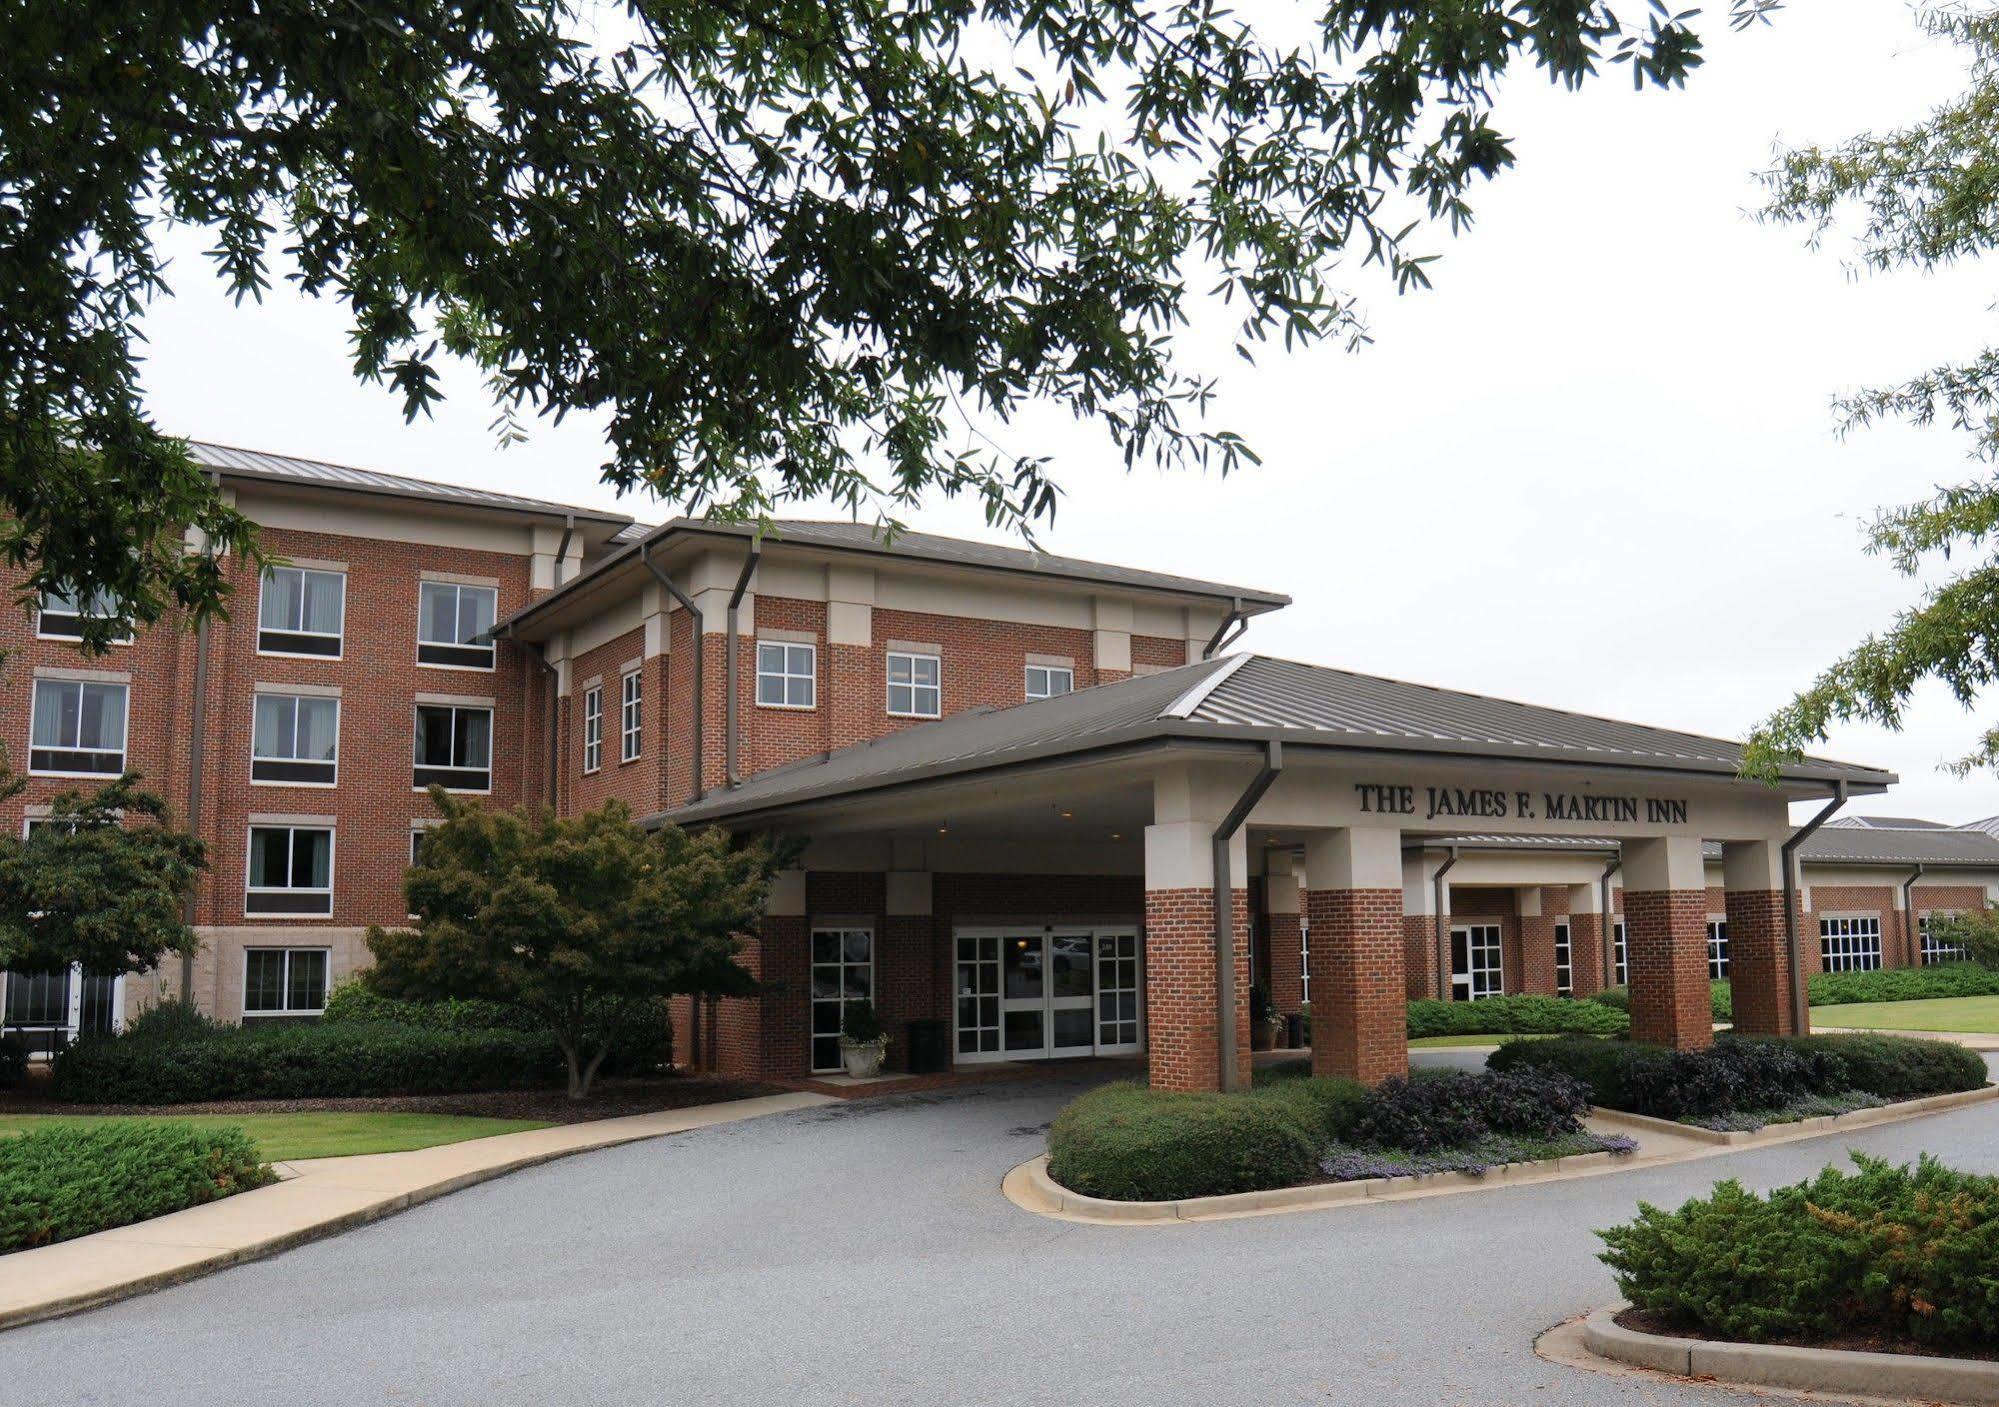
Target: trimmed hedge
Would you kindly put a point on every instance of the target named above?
(1721, 999)
(1514, 1015)
(1741, 1073)
(69, 1180)
(644, 1045)
(1903, 984)
(1905, 1253)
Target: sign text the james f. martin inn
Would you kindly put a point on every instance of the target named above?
(1498, 803)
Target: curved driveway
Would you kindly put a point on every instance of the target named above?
(862, 1253)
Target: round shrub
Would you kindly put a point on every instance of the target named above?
(175, 1019)
(1449, 1109)
(1133, 1144)
(13, 1061)
(1328, 1104)
(72, 1179)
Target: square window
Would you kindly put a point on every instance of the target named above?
(454, 747)
(290, 870)
(787, 674)
(914, 685)
(284, 981)
(295, 739)
(1045, 681)
(78, 728)
(62, 613)
(453, 624)
(301, 611)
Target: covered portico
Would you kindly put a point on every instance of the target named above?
(1072, 875)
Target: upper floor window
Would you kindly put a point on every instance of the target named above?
(914, 685)
(78, 728)
(290, 870)
(593, 728)
(63, 613)
(301, 611)
(1045, 681)
(452, 624)
(454, 747)
(295, 738)
(631, 717)
(787, 674)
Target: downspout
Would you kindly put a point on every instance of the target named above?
(1224, 906)
(694, 613)
(1443, 925)
(1236, 618)
(1609, 921)
(1800, 1004)
(196, 755)
(1909, 917)
(538, 652)
(729, 703)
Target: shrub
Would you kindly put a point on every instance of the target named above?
(13, 1061)
(1518, 1015)
(643, 1045)
(66, 1181)
(861, 1025)
(1887, 1250)
(1448, 1109)
(1894, 1067)
(1902, 984)
(174, 1019)
(1134, 1144)
(341, 1060)
(1720, 997)
(1329, 1105)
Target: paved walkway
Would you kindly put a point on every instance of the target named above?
(861, 1253)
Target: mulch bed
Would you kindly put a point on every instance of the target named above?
(609, 1099)
(1646, 1321)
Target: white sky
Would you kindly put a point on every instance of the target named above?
(1594, 468)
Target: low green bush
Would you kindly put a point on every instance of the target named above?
(1452, 1108)
(1330, 1106)
(1721, 999)
(643, 1045)
(170, 1020)
(70, 1180)
(13, 1061)
(1902, 984)
(1514, 1015)
(1894, 1251)
(1134, 1144)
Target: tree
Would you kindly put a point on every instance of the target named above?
(583, 921)
(103, 882)
(789, 249)
(1929, 196)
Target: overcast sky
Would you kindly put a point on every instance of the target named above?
(1593, 468)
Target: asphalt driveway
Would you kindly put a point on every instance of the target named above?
(862, 1253)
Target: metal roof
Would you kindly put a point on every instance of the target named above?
(1888, 823)
(1926, 843)
(1248, 698)
(256, 464)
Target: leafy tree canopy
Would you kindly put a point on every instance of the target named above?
(1926, 196)
(103, 882)
(581, 920)
(789, 249)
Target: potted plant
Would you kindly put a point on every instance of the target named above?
(863, 1041)
(1262, 1020)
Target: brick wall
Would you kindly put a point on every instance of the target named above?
(1666, 943)
(1180, 1000)
(1359, 996)
(1759, 966)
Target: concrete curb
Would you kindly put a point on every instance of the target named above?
(51, 1281)
(1969, 1381)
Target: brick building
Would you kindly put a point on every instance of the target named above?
(1027, 786)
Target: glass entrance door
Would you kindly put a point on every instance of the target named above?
(1040, 993)
(1024, 985)
(1071, 992)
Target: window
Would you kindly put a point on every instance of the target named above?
(301, 611)
(295, 738)
(631, 717)
(1717, 949)
(416, 844)
(593, 729)
(1934, 948)
(1304, 954)
(1045, 681)
(291, 870)
(787, 675)
(454, 747)
(1565, 963)
(1850, 944)
(284, 981)
(1476, 970)
(1620, 968)
(62, 614)
(843, 974)
(450, 621)
(913, 690)
(78, 728)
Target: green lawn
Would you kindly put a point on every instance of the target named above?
(285, 1136)
(1440, 1042)
(1972, 1014)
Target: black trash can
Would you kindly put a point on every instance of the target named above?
(929, 1047)
(1294, 1031)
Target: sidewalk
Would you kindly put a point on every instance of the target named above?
(317, 1197)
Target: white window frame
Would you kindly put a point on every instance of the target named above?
(489, 650)
(631, 716)
(325, 956)
(1565, 959)
(290, 828)
(1844, 943)
(842, 929)
(912, 658)
(593, 729)
(81, 613)
(1717, 947)
(786, 674)
(1304, 955)
(1481, 980)
(1048, 672)
(71, 1025)
(1929, 952)
(416, 737)
(257, 702)
(124, 751)
(1620, 955)
(339, 637)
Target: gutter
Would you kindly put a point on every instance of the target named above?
(1443, 919)
(538, 652)
(1909, 917)
(700, 701)
(1800, 1004)
(1609, 923)
(1224, 909)
(730, 771)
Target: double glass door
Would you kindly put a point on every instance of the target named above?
(1032, 993)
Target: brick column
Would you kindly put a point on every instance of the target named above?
(1537, 945)
(1181, 1003)
(1353, 881)
(1281, 903)
(905, 970)
(1759, 969)
(1665, 912)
